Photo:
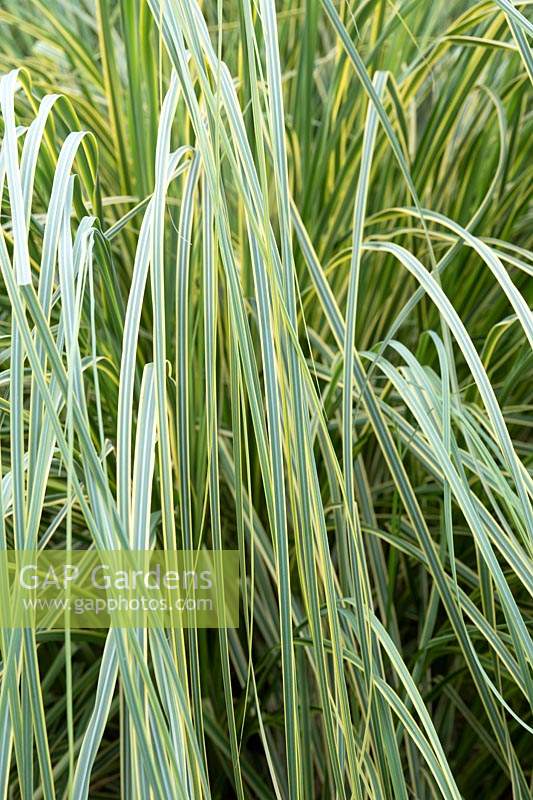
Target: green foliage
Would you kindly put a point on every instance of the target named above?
(266, 284)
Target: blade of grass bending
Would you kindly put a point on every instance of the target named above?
(210, 291)
(404, 487)
(515, 621)
(8, 86)
(32, 708)
(96, 725)
(475, 220)
(28, 160)
(469, 352)
(511, 11)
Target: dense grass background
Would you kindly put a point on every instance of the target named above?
(283, 306)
